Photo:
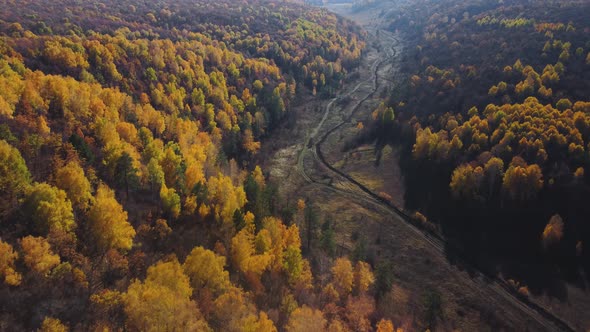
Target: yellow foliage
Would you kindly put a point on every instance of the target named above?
(385, 325)
(7, 270)
(38, 255)
(53, 325)
(523, 181)
(49, 207)
(14, 174)
(170, 201)
(305, 319)
(300, 204)
(162, 302)
(127, 132)
(249, 144)
(206, 270)
(72, 180)
(226, 198)
(363, 277)
(258, 324)
(553, 231)
(108, 222)
(358, 311)
(343, 276)
(337, 325)
(243, 254)
(258, 176)
(234, 311)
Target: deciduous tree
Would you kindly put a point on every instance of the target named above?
(206, 270)
(108, 222)
(7, 269)
(14, 174)
(553, 232)
(49, 208)
(72, 180)
(162, 302)
(306, 319)
(343, 276)
(38, 255)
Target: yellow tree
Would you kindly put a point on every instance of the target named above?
(38, 255)
(206, 270)
(305, 319)
(523, 181)
(466, 181)
(363, 277)
(232, 310)
(244, 255)
(7, 270)
(171, 163)
(358, 311)
(553, 232)
(162, 302)
(343, 276)
(14, 174)
(108, 222)
(51, 324)
(259, 323)
(49, 208)
(225, 197)
(385, 325)
(72, 180)
(170, 201)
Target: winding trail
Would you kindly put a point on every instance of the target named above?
(492, 288)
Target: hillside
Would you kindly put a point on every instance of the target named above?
(129, 195)
(492, 119)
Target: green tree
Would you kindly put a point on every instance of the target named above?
(170, 201)
(14, 174)
(327, 240)
(49, 208)
(155, 174)
(125, 173)
(311, 222)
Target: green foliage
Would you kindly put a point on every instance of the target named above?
(82, 147)
(384, 277)
(170, 201)
(327, 240)
(433, 307)
(49, 208)
(293, 262)
(125, 173)
(14, 174)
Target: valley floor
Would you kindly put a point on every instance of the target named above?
(470, 302)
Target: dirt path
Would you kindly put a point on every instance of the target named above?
(472, 300)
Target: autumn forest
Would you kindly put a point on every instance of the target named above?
(135, 139)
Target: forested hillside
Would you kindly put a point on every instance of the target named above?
(128, 195)
(493, 115)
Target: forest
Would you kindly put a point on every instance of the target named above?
(492, 117)
(130, 198)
